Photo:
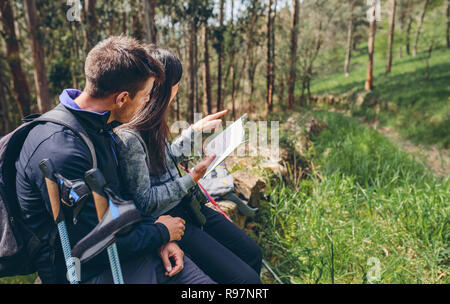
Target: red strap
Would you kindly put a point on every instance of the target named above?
(210, 198)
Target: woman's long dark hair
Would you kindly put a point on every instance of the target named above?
(151, 121)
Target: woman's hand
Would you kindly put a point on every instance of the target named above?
(200, 169)
(171, 250)
(210, 122)
(175, 225)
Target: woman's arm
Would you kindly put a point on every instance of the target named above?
(182, 145)
(150, 199)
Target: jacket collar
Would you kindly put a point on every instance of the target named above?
(92, 120)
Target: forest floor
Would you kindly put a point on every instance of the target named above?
(416, 108)
(361, 198)
(375, 182)
(435, 157)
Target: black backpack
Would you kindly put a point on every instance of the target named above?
(18, 244)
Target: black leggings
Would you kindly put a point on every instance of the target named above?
(221, 249)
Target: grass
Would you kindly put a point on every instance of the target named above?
(28, 279)
(372, 201)
(418, 108)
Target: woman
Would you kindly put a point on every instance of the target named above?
(151, 176)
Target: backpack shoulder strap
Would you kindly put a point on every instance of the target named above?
(61, 116)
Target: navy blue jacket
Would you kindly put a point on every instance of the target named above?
(71, 158)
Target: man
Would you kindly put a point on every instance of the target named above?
(119, 77)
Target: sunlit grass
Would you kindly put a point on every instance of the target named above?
(418, 108)
(29, 279)
(372, 201)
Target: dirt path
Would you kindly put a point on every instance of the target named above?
(438, 160)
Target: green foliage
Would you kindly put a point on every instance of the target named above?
(29, 279)
(417, 107)
(372, 201)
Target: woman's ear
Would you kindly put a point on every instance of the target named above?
(121, 99)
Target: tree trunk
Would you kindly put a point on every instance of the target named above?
(270, 59)
(448, 24)
(419, 27)
(4, 108)
(137, 22)
(191, 70)
(206, 72)
(40, 77)
(232, 65)
(149, 19)
(177, 101)
(408, 28)
(391, 37)
(293, 55)
(21, 86)
(198, 101)
(349, 41)
(281, 90)
(91, 37)
(371, 48)
(220, 59)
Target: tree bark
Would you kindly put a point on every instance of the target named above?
(448, 24)
(371, 48)
(391, 37)
(281, 86)
(149, 19)
(270, 58)
(40, 76)
(293, 55)
(349, 41)
(220, 59)
(191, 69)
(4, 108)
(197, 100)
(232, 65)
(138, 26)
(21, 86)
(408, 28)
(206, 72)
(91, 37)
(419, 27)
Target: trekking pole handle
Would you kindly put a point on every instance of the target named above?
(96, 181)
(47, 169)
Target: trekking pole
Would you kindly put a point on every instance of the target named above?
(271, 271)
(96, 181)
(51, 182)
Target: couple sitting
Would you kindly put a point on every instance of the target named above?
(123, 108)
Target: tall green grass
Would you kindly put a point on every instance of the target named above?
(372, 200)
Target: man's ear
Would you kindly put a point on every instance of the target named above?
(122, 98)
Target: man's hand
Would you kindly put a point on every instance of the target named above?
(171, 250)
(175, 225)
(210, 122)
(200, 168)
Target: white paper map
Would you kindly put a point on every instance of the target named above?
(226, 142)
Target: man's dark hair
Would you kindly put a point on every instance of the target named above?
(119, 64)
